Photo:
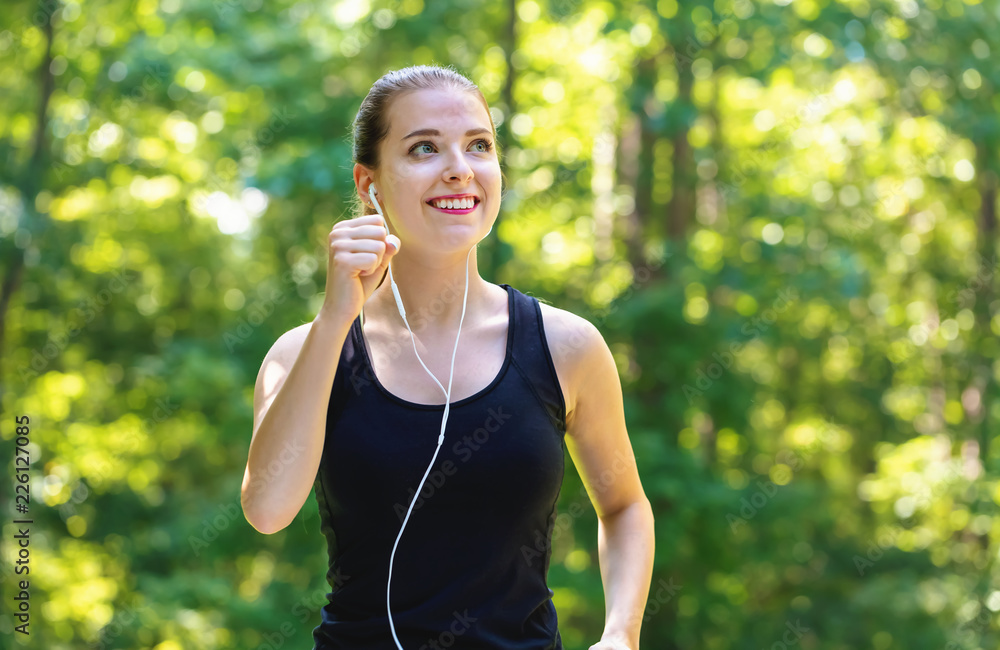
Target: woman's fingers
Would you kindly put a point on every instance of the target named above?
(366, 232)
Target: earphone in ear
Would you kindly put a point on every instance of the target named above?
(392, 283)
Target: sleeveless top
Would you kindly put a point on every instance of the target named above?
(471, 565)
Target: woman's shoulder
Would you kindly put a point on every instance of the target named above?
(571, 340)
(285, 350)
(568, 335)
(292, 340)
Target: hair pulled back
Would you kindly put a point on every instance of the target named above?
(371, 124)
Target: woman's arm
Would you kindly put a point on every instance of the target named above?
(291, 397)
(598, 443)
(625, 546)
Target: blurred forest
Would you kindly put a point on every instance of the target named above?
(781, 214)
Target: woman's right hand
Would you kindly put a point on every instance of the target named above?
(359, 252)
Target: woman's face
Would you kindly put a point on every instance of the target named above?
(439, 144)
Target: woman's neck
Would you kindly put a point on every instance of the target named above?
(432, 297)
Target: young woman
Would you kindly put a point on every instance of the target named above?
(438, 504)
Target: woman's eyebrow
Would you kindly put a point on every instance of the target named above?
(468, 133)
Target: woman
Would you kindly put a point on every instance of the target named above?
(344, 405)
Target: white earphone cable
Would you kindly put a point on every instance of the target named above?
(447, 394)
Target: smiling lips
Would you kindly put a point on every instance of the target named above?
(463, 205)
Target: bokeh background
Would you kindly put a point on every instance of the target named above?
(782, 215)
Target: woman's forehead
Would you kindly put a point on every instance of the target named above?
(446, 111)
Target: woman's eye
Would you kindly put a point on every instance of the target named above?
(485, 145)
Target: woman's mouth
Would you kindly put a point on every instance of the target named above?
(454, 210)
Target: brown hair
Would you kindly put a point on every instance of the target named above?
(370, 126)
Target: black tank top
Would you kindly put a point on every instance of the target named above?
(470, 568)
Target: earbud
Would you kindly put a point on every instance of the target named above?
(392, 283)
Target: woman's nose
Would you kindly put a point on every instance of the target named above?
(458, 167)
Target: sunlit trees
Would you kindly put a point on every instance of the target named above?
(782, 215)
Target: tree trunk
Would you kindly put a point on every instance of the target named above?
(987, 246)
(682, 204)
(636, 160)
(29, 184)
(496, 254)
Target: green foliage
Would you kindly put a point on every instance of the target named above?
(781, 215)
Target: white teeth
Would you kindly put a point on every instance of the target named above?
(452, 204)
